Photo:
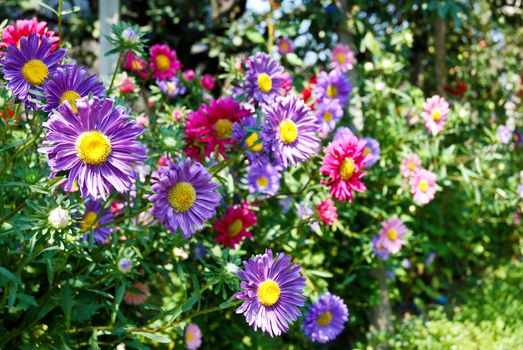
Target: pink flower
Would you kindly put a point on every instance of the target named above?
(423, 186)
(516, 218)
(23, 28)
(126, 85)
(208, 82)
(327, 211)
(116, 208)
(177, 115)
(436, 110)
(343, 58)
(164, 63)
(193, 336)
(142, 120)
(410, 165)
(285, 46)
(137, 295)
(232, 227)
(343, 164)
(189, 75)
(135, 64)
(391, 235)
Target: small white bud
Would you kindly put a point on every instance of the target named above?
(59, 218)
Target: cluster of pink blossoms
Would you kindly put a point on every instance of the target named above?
(422, 182)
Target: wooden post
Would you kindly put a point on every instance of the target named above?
(441, 70)
(108, 14)
(382, 313)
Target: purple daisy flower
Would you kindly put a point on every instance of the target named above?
(290, 130)
(517, 137)
(332, 86)
(97, 146)
(94, 222)
(371, 150)
(503, 134)
(184, 196)
(326, 318)
(328, 112)
(272, 290)
(264, 179)
(125, 265)
(247, 133)
(172, 87)
(378, 249)
(264, 78)
(28, 67)
(71, 83)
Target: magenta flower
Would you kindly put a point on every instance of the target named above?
(327, 211)
(208, 82)
(285, 46)
(391, 235)
(343, 58)
(423, 186)
(164, 63)
(436, 110)
(410, 165)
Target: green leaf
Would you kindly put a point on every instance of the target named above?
(293, 59)
(190, 302)
(9, 275)
(159, 338)
(254, 36)
(67, 303)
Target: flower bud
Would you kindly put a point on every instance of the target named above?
(59, 218)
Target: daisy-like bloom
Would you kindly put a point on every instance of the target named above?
(328, 112)
(264, 179)
(184, 196)
(343, 58)
(71, 83)
(138, 293)
(193, 336)
(22, 28)
(211, 125)
(285, 46)
(342, 133)
(263, 78)
(172, 87)
(378, 249)
(410, 165)
(423, 186)
(332, 86)
(97, 146)
(125, 265)
(503, 133)
(164, 63)
(208, 82)
(135, 64)
(272, 292)
(247, 133)
(327, 211)
(436, 110)
(29, 66)
(290, 130)
(95, 221)
(233, 226)
(125, 84)
(343, 164)
(391, 235)
(326, 318)
(517, 137)
(371, 150)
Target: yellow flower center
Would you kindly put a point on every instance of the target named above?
(392, 234)
(223, 128)
(423, 185)
(263, 181)
(137, 65)
(412, 166)
(436, 115)
(379, 246)
(93, 147)
(515, 137)
(70, 96)
(268, 292)
(340, 58)
(182, 197)
(189, 337)
(89, 221)
(288, 131)
(366, 151)
(347, 168)
(327, 116)
(264, 82)
(162, 62)
(235, 228)
(252, 142)
(34, 72)
(171, 88)
(324, 319)
(332, 91)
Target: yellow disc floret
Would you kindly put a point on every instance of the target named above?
(35, 72)
(252, 142)
(324, 319)
(70, 96)
(436, 115)
(223, 128)
(340, 58)
(268, 292)
(332, 91)
(162, 62)
(327, 116)
(423, 186)
(89, 221)
(235, 228)
(264, 82)
(347, 168)
(93, 147)
(182, 197)
(263, 181)
(288, 131)
(392, 234)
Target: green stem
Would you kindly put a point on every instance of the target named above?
(115, 71)
(60, 4)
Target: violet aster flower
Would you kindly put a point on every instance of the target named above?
(29, 66)
(96, 146)
(184, 196)
(343, 133)
(343, 58)
(290, 130)
(503, 134)
(305, 212)
(378, 249)
(94, 222)
(328, 112)
(172, 87)
(71, 83)
(272, 292)
(517, 137)
(326, 318)
(247, 133)
(332, 86)
(264, 178)
(436, 110)
(391, 235)
(423, 186)
(263, 78)
(371, 150)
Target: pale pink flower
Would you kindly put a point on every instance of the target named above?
(410, 165)
(343, 58)
(423, 186)
(436, 110)
(391, 235)
(193, 336)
